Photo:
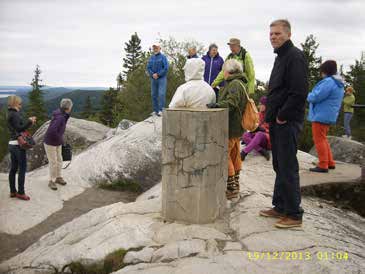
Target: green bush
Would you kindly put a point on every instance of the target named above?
(122, 185)
(112, 262)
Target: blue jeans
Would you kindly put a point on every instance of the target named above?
(347, 119)
(18, 158)
(287, 196)
(158, 93)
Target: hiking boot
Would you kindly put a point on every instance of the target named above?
(237, 177)
(232, 188)
(243, 155)
(288, 222)
(60, 181)
(271, 213)
(319, 170)
(23, 197)
(265, 153)
(13, 194)
(52, 185)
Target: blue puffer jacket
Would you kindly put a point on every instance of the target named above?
(158, 64)
(325, 100)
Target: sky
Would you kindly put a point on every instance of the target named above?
(80, 42)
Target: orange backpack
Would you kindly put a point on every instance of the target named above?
(250, 118)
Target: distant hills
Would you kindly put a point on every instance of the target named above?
(53, 96)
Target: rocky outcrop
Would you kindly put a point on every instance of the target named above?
(345, 150)
(122, 126)
(134, 155)
(330, 241)
(79, 133)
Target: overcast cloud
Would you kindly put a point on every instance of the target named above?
(80, 43)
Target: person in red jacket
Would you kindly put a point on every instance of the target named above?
(258, 140)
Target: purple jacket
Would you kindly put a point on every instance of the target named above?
(56, 129)
(213, 67)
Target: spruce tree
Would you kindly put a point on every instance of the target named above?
(108, 105)
(310, 47)
(120, 81)
(36, 106)
(133, 52)
(88, 108)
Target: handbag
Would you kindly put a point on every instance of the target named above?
(67, 154)
(25, 140)
(250, 118)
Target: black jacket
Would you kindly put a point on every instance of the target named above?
(288, 86)
(16, 123)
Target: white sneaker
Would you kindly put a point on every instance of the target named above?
(344, 136)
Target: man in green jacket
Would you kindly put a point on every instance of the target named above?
(240, 54)
(348, 110)
(234, 98)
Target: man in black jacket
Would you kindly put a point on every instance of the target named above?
(288, 88)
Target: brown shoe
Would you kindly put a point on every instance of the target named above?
(13, 194)
(60, 181)
(52, 185)
(271, 213)
(288, 222)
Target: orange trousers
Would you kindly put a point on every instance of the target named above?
(234, 156)
(322, 146)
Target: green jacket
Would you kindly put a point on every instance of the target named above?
(248, 70)
(348, 101)
(234, 98)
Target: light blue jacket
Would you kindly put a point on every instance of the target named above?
(158, 64)
(325, 100)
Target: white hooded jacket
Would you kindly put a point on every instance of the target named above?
(195, 93)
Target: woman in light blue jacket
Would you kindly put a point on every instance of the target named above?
(325, 103)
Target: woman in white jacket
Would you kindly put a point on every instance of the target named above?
(195, 93)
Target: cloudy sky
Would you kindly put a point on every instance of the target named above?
(80, 42)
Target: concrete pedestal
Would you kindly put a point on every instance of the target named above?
(194, 164)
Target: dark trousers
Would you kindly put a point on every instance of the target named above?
(18, 158)
(287, 197)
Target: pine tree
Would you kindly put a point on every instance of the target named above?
(120, 81)
(88, 108)
(310, 47)
(133, 51)
(36, 106)
(108, 105)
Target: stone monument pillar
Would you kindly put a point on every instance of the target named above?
(194, 164)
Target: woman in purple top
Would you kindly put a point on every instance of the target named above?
(213, 65)
(53, 141)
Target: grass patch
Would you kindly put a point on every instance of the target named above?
(112, 262)
(122, 185)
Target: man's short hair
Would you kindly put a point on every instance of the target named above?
(282, 22)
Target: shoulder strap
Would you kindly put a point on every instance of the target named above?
(244, 88)
(243, 54)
